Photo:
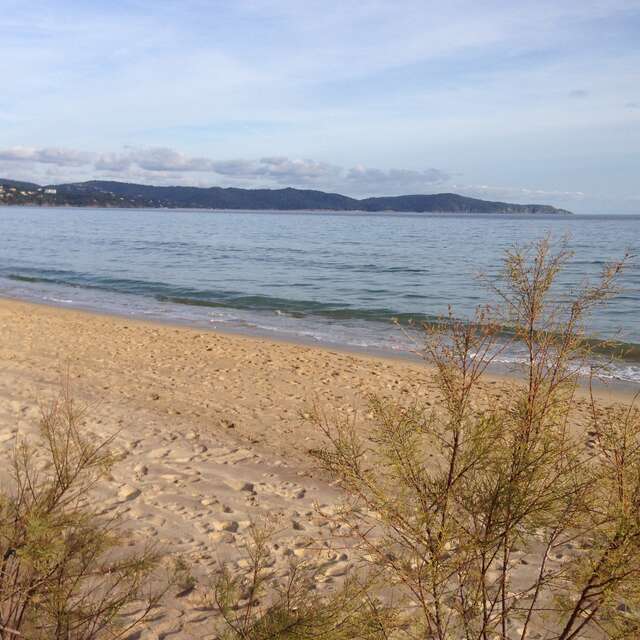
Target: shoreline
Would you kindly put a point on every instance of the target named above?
(382, 212)
(503, 373)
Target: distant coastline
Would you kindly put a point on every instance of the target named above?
(107, 194)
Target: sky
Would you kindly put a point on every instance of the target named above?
(528, 101)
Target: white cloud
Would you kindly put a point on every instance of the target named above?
(521, 194)
(393, 181)
(578, 94)
(164, 159)
(116, 162)
(169, 165)
(280, 170)
(48, 155)
(158, 159)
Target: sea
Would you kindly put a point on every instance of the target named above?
(345, 280)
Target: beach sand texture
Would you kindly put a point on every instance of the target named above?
(210, 431)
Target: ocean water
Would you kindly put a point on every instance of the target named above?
(329, 278)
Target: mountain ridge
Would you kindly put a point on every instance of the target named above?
(113, 194)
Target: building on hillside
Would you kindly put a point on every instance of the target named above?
(50, 191)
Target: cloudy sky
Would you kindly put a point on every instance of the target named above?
(529, 101)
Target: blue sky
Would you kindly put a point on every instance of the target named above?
(520, 101)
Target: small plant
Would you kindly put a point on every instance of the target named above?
(63, 575)
(183, 579)
(492, 518)
(259, 606)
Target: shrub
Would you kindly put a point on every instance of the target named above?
(492, 517)
(258, 606)
(62, 572)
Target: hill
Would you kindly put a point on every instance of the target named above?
(101, 193)
(18, 184)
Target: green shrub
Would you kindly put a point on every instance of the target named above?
(256, 606)
(492, 517)
(63, 575)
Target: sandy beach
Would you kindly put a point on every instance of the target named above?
(209, 426)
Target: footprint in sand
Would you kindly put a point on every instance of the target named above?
(283, 489)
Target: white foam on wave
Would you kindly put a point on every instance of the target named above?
(58, 300)
(357, 334)
(622, 372)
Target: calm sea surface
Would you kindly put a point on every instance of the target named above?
(326, 277)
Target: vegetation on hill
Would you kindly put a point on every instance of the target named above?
(98, 193)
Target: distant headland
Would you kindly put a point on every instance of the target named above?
(108, 194)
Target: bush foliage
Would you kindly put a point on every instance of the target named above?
(63, 575)
(257, 606)
(496, 517)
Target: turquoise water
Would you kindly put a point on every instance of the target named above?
(330, 278)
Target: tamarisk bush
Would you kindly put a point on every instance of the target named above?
(259, 606)
(495, 516)
(63, 575)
